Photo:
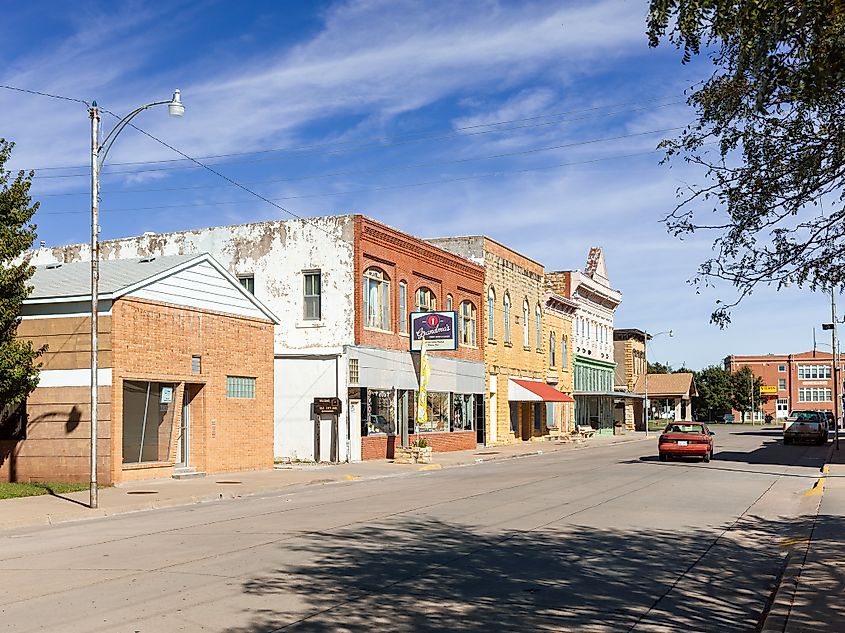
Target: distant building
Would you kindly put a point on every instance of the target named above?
(629, 348)
(790, 382)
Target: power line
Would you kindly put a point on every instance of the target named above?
(369, 190)
(378, 142)
(409, 166)
(45, 94)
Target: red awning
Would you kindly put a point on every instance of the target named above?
(535, 391)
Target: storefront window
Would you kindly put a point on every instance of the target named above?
(148, 409)
(438, 413)
(380, 417)
(464, 417)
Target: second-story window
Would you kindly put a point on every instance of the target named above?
(491, 307)
(467, 324)
(248, 282)
(563, 352)
(552, 349)
(426, 301)
(507, 304)
(538, 327)
(526, 335)
(449, 303)
(376, 299)
(312, 295)
(403, 307)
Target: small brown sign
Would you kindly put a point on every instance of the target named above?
(327, 406)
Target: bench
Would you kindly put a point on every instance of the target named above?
(585, 430)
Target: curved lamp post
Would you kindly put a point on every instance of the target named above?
(99, 150)
(645, 354)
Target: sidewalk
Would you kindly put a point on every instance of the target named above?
(165, 493)
(810, 594)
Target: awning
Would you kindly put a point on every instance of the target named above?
(522, 390)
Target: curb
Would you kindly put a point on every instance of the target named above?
(775, 618)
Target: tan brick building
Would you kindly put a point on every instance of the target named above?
(516, 341)
(558, 313)
(186, 373)
(629, 349)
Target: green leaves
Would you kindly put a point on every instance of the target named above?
(770, 139)
(18, 372)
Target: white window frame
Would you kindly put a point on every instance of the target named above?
(491, 309)
(425, 300)
(526, 329)
(507, 304)
(552, 349)
(376, 317)
(403, 307)
(538, 323)
(467, 320)
(306, 275)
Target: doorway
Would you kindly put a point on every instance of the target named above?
(184, 440)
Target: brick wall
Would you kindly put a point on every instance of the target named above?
(418, 263)
(382, 446)
(58, 445)
(156, 342)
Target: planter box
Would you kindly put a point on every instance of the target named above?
(403, 455)
(422, 455)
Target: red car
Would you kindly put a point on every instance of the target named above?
(686, 439)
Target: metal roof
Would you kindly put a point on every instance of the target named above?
(74, 279)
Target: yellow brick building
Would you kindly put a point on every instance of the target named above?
(558, 313)
(516, 335)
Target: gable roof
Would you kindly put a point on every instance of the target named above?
(668, 385)
(61, 283)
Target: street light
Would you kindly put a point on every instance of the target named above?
(98, 156)
(645, 354)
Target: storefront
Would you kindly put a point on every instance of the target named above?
(388, 389)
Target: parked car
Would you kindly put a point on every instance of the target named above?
(831, 422)
(686, 439)
(805, 426)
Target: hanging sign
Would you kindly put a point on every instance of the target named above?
(439, 329)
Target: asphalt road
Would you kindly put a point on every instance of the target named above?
(600, 539)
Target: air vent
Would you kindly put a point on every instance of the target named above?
(147, 260)
(53, 266)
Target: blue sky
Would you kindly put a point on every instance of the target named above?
(535, 123)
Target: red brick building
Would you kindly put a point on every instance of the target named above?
(398, 274)
(791, 382)
(185, 378)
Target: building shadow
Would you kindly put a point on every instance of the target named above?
(408, 575)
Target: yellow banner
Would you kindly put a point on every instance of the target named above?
(425, 374)
(768, 389)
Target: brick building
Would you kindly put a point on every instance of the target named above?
(311, 273)
(185, 378)
(790, 382)
(629, 349)
(516, 341)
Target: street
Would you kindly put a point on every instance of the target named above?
(605, 538)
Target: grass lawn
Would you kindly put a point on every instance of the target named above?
(10, 491)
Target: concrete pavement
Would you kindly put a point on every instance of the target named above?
(810, 595)
(147, 495)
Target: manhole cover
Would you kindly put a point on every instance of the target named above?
(229, 482)
(142, 492)
(489, 453)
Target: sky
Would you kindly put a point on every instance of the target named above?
(535, 123)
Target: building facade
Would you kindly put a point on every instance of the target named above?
(185, 373)
(516, 340)
(790, 382)
(593, 363)
(338, 285)
(629, 349)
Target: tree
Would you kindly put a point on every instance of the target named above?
(659, 368)
(714, 393)
(769, 135)
(745, 390)
(18, 369)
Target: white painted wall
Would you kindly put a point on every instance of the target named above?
(201, 286)
(276, 253)
(297, 382)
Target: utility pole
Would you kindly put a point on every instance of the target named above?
(751, 374)
(833, 358)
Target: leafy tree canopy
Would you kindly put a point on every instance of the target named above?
(714, 397)
(769, 135)
(18, 371)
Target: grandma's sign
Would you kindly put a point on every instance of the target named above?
(439, 329)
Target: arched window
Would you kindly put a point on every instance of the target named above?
(552, 349)
(526, 335)
(538, 327)
(376, 299)
(563, 352)
(403, 307)
(449, 303)
(507, 318)
(467, 324)
(426, 301)
(491, 307)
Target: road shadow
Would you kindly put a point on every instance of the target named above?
(408, 575)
